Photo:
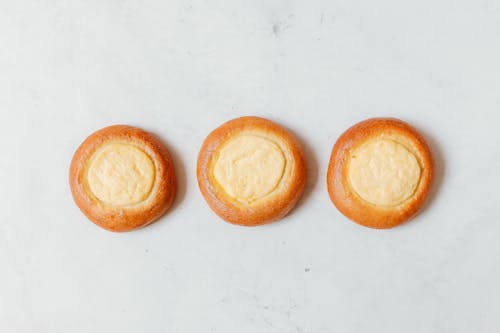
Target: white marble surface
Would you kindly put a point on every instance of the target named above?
(181, 68)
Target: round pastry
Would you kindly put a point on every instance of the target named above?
(251, 171)
(122, 178)
(380, 172)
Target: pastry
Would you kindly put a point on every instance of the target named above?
(122, 178)
(251, 171)
(380, 172)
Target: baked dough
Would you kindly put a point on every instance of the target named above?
(122, 178)
(380, 172)
(251, 171)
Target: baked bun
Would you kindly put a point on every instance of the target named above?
(251, 171)
(122, 178)
(380, 172)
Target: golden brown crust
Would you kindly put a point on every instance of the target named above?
(349, 202)
(273, 206)
(124, 218)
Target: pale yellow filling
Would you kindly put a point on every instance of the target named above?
(383, 172)
(120, 174)
(249, 167)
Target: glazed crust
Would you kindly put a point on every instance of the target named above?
(349, 202)
(271, 207)
(130, 217)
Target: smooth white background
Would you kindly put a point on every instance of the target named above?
(180, 69)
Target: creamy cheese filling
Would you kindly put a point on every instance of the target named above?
(120, 174)
(383, 172)
(249, 167)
